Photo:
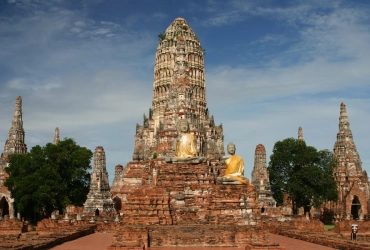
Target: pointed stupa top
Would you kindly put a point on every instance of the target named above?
(343, 118)
(300, 134)
(99, 160)
(179, 55)
(15, 142)
(56, 136)
(345, 148)
(179, 73)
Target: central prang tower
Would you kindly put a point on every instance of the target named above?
(179, 92)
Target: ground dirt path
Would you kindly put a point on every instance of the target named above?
(294, 244)
(96, 241)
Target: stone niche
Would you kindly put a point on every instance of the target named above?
(170, 201)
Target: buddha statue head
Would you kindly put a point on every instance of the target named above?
(231, 148)
(183, 126)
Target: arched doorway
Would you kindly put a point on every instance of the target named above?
(117, 203)
(356, 207)
(4, 207)
(97, 212)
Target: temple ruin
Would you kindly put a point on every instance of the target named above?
(179, 92)
(181, 189)
(13, 145)
(261, 180)
(99, 198)
(353, 185)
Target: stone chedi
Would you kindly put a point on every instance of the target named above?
(353, 185)
(99, 198)
(13, 145)
(179, 92)
(56, 136)
(300, 134)
(261, 180)
(175, 199)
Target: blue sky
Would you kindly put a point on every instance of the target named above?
(271, 66)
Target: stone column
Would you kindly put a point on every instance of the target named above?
(11, 210)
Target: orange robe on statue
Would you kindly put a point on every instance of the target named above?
(235, 168)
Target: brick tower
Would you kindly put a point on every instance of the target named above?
(353, 185)
(179, 92)
(13, 145)
(261, 180)
(99, 198)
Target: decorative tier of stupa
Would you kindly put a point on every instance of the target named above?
(179, 92)
(181, 189)
(13, 145)
(261, 180)
(99, 198)
(353, 186)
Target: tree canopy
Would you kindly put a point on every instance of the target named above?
(302, 172)
(49, 178)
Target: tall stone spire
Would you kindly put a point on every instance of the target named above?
(352, 180)
(13, 145)
(300, 134)
(99, 197)
(56, 136)
(15, 142)
(345, 148)
(261, 180)
(179, 92)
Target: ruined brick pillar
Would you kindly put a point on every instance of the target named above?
(261, 180)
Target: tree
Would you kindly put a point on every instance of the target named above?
(302, 172)
(49, 178)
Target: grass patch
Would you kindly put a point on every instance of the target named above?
(327, 227)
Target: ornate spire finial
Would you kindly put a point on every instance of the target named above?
(300, 134)
(56, 136)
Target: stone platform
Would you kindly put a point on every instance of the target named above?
(143, 237)
(164, 204)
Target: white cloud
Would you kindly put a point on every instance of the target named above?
(93, 78)
(270, 38)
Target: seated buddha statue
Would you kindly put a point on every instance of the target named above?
(234, 168)
(185, 145)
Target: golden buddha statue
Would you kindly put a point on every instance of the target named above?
(184, 146)
(185, 143)
(234, 168)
